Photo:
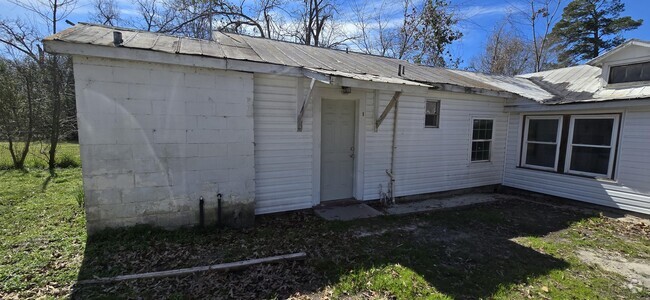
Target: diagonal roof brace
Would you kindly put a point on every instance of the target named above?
(303, 107)
(390, 105)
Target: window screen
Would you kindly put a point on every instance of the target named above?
(481, 139)
(592, 142)
(629, 73)
(432, 114)
(541, 141)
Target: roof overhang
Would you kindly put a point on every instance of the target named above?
(577, 106)
(325, 76)
(598, 61)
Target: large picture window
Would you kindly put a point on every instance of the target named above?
(592, 144)
(571, 144)
(481, 139)
(542, 136)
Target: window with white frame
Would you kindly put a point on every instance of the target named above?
(432, 114)
(592, 145)
(541, 146)
(582, 145)
(481, 139)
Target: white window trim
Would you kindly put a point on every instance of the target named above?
(612, 146)
(606, 69)
(425, 113)
(558, 141)
(472, 140)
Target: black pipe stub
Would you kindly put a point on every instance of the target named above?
(219, 198)
(201, 212)
(117, 38)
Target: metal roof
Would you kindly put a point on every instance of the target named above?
(575, 84)
(583, 83)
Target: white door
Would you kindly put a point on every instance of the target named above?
(337, 149)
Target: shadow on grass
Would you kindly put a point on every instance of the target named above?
(466, 253)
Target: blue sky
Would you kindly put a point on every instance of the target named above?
(478, 19)
(482, 15)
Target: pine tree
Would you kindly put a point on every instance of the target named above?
(589, 27)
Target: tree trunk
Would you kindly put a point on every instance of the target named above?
(56, 112)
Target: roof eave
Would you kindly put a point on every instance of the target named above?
(597, 61)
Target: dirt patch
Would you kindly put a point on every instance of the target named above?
(637, 271)
(366, 233)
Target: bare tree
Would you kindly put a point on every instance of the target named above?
(424, 32)
(374, 35)
(267, 16)
(506, 53)
(317, 24)
(18, 83)
(154, 15)
(105, 12)
(540, 16)
(51, 12)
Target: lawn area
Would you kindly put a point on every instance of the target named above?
(504, 250)
(67, 155)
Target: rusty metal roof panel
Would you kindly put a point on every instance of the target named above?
(519, 86)
(211, 49)
(566, 85)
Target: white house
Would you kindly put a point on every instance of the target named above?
(273, 126)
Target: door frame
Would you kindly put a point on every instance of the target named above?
(334, 93)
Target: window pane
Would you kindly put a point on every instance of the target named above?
(480, 151)
(431, 120)
(482, 130)
(629, 73)
(633, 73)
(645, 74)
(432, 107)
(588, 159)
(542, 130)
(432, 113)
(541, 155)
(593, 131)
(617, 74)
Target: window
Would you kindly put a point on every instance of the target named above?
(432, 114)
(481, 139)
(591, 145)
(629, 73)
(541, 147)
(571, 144)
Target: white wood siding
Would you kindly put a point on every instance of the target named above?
(283, 156)
(631, 188)
(432, 159)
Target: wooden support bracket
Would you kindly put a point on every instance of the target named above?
(390, 105)
(303, 107)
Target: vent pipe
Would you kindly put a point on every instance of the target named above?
(117, 38)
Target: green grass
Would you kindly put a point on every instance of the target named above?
(506, 250)
(67, 155)
(43, 236)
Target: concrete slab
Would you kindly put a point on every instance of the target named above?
(346, 212)
(433, 204)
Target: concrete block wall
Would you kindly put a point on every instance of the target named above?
(154, 138)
